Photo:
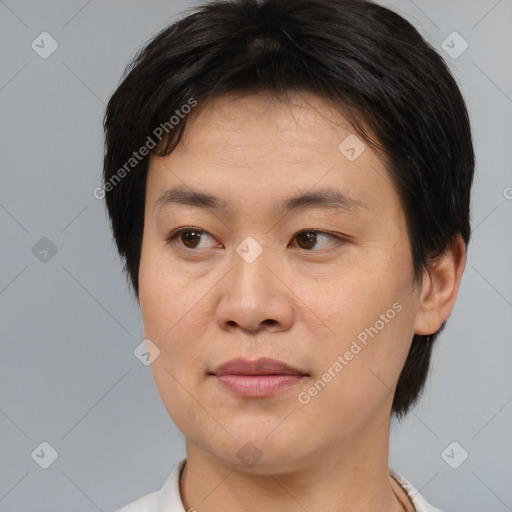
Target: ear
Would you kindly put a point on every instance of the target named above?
(439, 289)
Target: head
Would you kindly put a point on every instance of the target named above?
(257, 103)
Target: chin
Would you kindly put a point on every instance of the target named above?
(259, 454)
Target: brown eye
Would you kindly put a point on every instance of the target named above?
(189, 238)
(309, 239)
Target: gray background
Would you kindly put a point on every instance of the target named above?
(69, 326)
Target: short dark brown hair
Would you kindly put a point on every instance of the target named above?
(393, 87)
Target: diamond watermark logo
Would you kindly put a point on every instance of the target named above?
(454, 45)
(44, 250)
(454, 455)
(44, 45)
(249, 250)
(44, 455)
(351, 147)
(249, 455)
(146, 352)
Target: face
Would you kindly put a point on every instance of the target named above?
(301, 255)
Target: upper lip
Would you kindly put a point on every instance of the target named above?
(262, 366)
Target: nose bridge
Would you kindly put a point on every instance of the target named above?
(250, 249)
(251, 294)
(250, 272)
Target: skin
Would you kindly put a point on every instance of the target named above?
(300, 303)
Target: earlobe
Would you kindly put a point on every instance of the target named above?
(439, 288)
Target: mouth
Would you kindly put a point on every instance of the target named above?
(259, 378)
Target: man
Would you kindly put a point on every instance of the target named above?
(288, 182)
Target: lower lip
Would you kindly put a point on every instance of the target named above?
(258, 385)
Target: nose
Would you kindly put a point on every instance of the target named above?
(255, 295)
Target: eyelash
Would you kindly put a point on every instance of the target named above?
(175, 234)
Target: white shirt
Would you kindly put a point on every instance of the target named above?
(168, 498)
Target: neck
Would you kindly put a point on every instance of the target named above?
(352, 476)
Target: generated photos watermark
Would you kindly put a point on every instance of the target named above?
(304, 397)
(143, 151)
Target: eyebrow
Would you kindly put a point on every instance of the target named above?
(328, 198)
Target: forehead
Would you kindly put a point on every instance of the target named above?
(292, 117)
(262, 146)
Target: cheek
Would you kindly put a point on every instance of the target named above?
(174, 316)
(358, 374)
(164, 294)
(370, 317)
(171, 322)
